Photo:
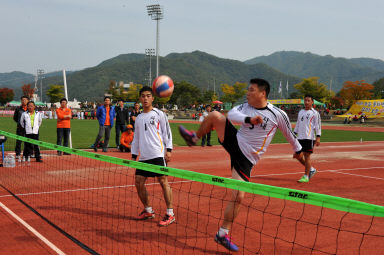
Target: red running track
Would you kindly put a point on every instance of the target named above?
(350, 170)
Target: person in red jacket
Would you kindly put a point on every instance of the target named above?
(126, 139)
(64, 115)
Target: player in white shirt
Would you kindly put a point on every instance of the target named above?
(153, 141)
(307, 127)
(259, 121)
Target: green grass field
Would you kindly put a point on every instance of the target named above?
(84, 133)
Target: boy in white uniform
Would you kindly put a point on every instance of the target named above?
(259, 121)
(308, 124)
(153, 140)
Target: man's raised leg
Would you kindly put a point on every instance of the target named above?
(214, 120)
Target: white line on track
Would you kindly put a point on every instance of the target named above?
(30, 228)
(332, 171)
(338, 171)
(359, 175)
(87, 189)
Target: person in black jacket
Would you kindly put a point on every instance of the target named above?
(20, 130)
(121, 120)
(133, 114)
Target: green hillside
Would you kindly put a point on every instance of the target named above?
(15, 79)
(206, 71)
(328, 68)
(198, 68)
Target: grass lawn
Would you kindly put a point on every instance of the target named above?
(84, 133)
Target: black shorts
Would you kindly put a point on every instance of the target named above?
(238, 161)
(155, 161)
(307, 145)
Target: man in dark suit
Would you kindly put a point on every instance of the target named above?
(133, 114)
(20, 130)
(121, 120)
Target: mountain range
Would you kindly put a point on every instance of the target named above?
(331, 70)
(206, 71)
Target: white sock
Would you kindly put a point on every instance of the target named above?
(170, 211)
(149, 209)
(305, 176)
(223, 231)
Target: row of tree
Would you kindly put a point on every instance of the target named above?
(186, 94)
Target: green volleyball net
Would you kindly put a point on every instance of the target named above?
(91, 199)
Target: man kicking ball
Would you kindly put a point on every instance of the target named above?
(259, 121)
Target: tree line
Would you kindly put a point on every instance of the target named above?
(186, 94)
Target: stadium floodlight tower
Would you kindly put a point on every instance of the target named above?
(40, 74)
(156, 13)
(150, 53)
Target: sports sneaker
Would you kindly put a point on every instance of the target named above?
(145, 215)
(168, 219)
(312, 172)
(93, 147)
(226, 242)
(303, 179)
(189, 136)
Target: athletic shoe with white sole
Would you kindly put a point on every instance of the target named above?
(312, 172)
(189, 136)
(226, 242)
(144, 215)
(168, 219)
(303, 179)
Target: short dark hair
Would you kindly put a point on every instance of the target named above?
(107, 97)
(63, 99)
(308, 95)
(145, 88)
(262, 84)
(21, 98)
(31, 102)
(120, 99)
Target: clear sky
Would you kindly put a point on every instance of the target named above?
(75, 34)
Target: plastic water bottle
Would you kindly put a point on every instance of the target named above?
(9, 161)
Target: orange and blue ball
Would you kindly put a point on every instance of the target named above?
(163, 86)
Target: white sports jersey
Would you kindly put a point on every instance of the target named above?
(254, 139)
(152, 135)
(308, 123)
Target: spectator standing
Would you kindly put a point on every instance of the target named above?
(121, 120)
(64, 115)
(207, 136)
(126, 139)
(31, 121)
(20, 130)
(105, 115)
(133, 114)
